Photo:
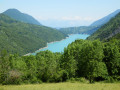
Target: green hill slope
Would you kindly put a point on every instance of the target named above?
(17, 15)
(108, 30)
(23, 38)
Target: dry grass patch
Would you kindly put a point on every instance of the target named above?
(64, 86)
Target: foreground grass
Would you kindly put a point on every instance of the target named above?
(64, 86)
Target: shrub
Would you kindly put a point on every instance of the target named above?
(81, 79)
(14, 77)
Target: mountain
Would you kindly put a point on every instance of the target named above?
(109, 30)
(105, 19)
(79, 30)
(22, 38)
(17, 15)
(89, 29)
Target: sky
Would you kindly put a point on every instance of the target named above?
(63, 13)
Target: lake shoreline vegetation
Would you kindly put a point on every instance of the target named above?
(82, 61)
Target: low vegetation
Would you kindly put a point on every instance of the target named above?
(64, 86)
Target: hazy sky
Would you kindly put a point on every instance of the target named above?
(63, 13)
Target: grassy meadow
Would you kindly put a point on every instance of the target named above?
(64, 86)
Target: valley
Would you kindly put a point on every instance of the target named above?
(82, 53)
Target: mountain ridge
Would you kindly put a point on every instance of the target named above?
(92, 28)
(23, 17)
(105, 19)
(108, 30)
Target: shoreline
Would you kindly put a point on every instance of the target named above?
(44, 47)
(79, 33)
(49, 43)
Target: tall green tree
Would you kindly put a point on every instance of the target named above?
(4, 66)
(112, 58)
(69, 64)
(47, 65)
(90, 60)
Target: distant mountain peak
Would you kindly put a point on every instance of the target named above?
(16, 14)
(13, 9)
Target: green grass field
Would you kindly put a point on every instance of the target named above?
(64, 86)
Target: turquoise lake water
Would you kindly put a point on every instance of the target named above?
(60, 45)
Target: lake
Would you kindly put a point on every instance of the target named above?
(60, 45)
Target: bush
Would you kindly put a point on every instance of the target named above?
(34, 80)
(110, 80)
(81, 79)
(13, 77)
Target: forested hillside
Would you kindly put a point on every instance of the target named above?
(22, 38)
(108, 30)
(79, 30)
(17, 15)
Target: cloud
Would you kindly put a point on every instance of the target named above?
(78, 18)
(65, 18)
(66, 21)
(71, 18)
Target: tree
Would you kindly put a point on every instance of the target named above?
(112, 58)
(90, 60)
(17, 70)
(95, 69)
(87, 56)
(31, 68)
(4, 66)
(47, 65)
(69, 64)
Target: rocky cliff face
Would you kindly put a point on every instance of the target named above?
(114, 33)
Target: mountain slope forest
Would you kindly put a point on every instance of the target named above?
(22, 38)
(108, 30)
(17, 15)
